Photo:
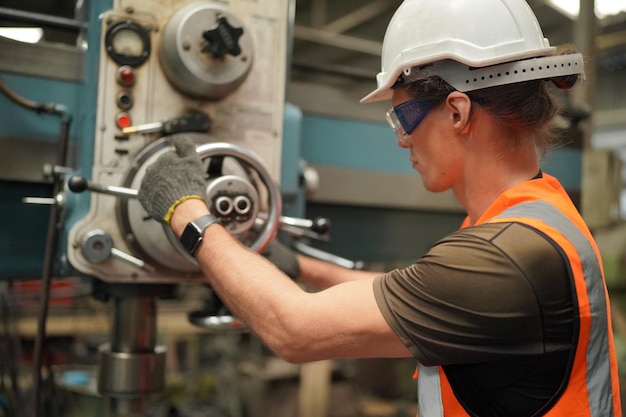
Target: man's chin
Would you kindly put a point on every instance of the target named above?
(434, 188)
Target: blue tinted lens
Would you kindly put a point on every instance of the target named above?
(411, 113)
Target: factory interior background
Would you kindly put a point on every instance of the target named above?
(88, 90)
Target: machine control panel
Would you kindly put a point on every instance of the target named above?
(210, 70)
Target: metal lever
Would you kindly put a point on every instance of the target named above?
(97, 246)
(319, 225)
(318, 228)
(80, 184)
(50, 171)
(192, 121)
(325, 256)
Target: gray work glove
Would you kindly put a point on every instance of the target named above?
(174, 177)
(283, 257)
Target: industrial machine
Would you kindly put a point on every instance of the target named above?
(191, 70)
(211, 70)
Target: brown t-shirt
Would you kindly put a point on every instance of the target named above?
(494, 305)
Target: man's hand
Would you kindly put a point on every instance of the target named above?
(283, 257)
(174, 177)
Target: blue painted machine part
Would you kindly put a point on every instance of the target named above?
(23, 233)
(352, 144)
(292, 190)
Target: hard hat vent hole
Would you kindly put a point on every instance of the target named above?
(469, 78)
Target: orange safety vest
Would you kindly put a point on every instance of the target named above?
(593, 386)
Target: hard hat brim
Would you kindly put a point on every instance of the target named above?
(465, 78)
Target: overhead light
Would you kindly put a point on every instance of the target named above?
(26, 35)
(603, 7)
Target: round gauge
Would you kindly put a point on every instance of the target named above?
(127, 43)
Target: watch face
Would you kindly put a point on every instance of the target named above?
(192, 235)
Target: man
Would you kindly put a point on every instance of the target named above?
(509, 316)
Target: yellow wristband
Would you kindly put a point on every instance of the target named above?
(170, 212)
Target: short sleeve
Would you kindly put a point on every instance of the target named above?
(480, 295)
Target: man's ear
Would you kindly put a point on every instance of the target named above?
(460, 106)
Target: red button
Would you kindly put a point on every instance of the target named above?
(123, 120)
(126, 75)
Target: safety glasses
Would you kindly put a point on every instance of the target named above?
(404, 118)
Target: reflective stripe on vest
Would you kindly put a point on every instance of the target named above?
(429, 403)
(598, 352)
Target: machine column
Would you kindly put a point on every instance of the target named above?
(132, 365)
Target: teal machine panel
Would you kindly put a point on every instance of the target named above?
(30, 141)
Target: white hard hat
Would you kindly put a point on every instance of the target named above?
(460, 35)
